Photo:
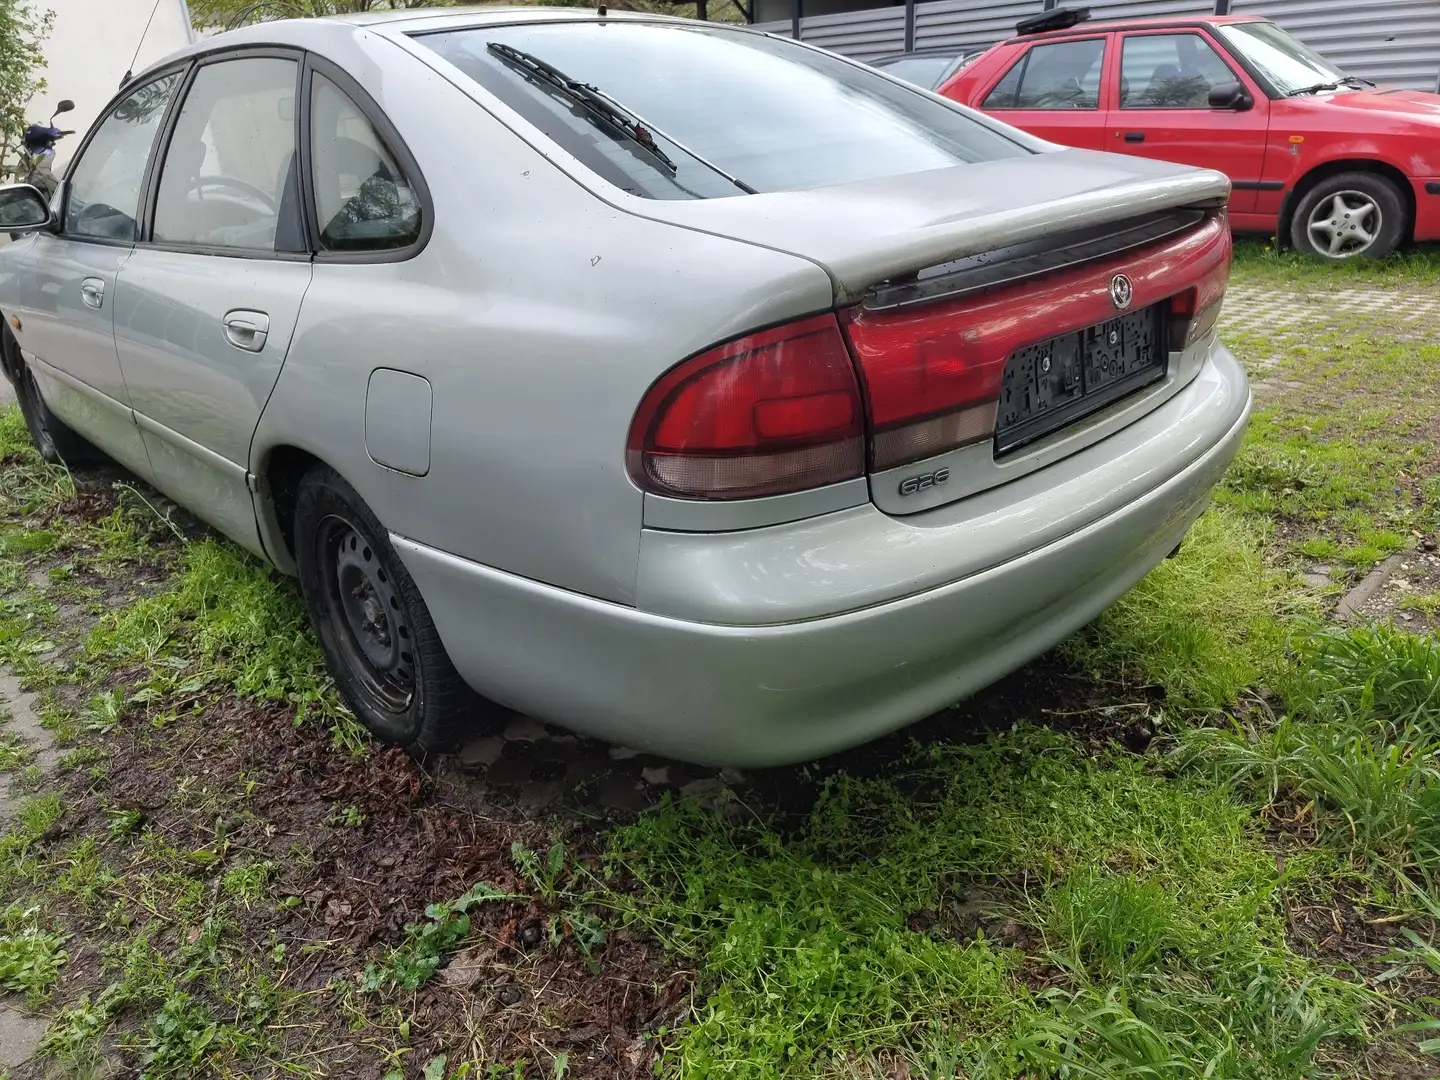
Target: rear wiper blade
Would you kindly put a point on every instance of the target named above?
(1314, 89)
(609, 112)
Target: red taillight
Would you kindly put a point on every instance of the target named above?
(766, 414)
(933, 373)
(931, 381)
(1194, 312)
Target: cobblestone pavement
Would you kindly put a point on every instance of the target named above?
(1266, 309)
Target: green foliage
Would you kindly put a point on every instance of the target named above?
(1205, 625)
(23, 30)
(411, 964)
(31, 958)
(903, 912)
(542, 871)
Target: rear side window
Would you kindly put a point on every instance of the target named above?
(678, 112)
(363, 201)
(1065, 75)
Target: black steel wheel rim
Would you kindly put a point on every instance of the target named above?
(364, 609)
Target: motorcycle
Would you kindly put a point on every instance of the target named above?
(38, 150)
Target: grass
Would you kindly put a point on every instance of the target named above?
(1039, 902)
(922, 912)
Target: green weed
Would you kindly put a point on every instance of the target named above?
(411, 965)
(1205, 625)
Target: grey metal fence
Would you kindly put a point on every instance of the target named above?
(1392, 42)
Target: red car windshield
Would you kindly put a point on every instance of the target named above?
(1288, 65)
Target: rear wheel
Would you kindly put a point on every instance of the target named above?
(379, 641)
(1350, 215)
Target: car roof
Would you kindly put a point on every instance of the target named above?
(401, 21)
(1153, 22)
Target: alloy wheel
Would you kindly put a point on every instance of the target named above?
(1346, 224)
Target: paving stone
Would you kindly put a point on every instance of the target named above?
(19, 1036)
(586, 761)
(656, 775)
(623, 794)
(484, 751)
(622, 753)
(524, 729)
(704, 786)
(539, 794)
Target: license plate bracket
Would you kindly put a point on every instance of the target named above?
(1052, 384)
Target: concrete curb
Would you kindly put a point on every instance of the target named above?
(1351, 603)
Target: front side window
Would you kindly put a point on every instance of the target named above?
(1065, 75)
(228, 180)
(670, 111)
(104, 195)
(1288, 65)
(1169, 71)
(363, 201)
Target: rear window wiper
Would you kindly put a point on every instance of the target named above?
(1314, 89)
(601, 107)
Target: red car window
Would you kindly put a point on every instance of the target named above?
(1061, 75)
(1169, 71)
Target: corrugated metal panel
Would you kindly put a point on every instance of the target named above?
(1392, 42)
(1140, 9)
(967, 24)
(864, 35)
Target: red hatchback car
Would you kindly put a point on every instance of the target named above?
(1327, 162)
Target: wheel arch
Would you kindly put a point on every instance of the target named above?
(1327, 169)
(277, 483)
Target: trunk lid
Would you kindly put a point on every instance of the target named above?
(871, 231)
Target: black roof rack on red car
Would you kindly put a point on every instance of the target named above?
(1059, 18)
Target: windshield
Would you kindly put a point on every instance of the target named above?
(727, 110)
(926, 71)
(1286, 63)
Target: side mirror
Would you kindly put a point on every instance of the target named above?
(1230, 95)
(23, 209)
(66, 105)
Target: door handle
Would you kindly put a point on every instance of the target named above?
(1134, 136)
(92, 291)
(247, 329)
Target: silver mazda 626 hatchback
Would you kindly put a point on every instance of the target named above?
(690, 387)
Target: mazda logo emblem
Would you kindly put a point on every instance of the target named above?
(1121, 291)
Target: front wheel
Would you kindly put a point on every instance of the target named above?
(1351, 215)
(53, 438)
(379, 641)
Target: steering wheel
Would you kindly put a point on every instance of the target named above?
(237, 185)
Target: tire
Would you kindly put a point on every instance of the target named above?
(56, 442)
(1331, 220)
(379, 640)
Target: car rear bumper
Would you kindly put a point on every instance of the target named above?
(779, 692)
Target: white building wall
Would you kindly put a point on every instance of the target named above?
(90, 49)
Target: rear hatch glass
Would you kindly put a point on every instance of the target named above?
(670, 111)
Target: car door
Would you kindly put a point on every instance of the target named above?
(1053, 90)
(1161, 109)
(67, 292)
(206, 305)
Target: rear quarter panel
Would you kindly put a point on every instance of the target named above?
(540, 316)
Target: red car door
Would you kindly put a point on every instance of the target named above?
(1158, 107)
(1052, 89)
